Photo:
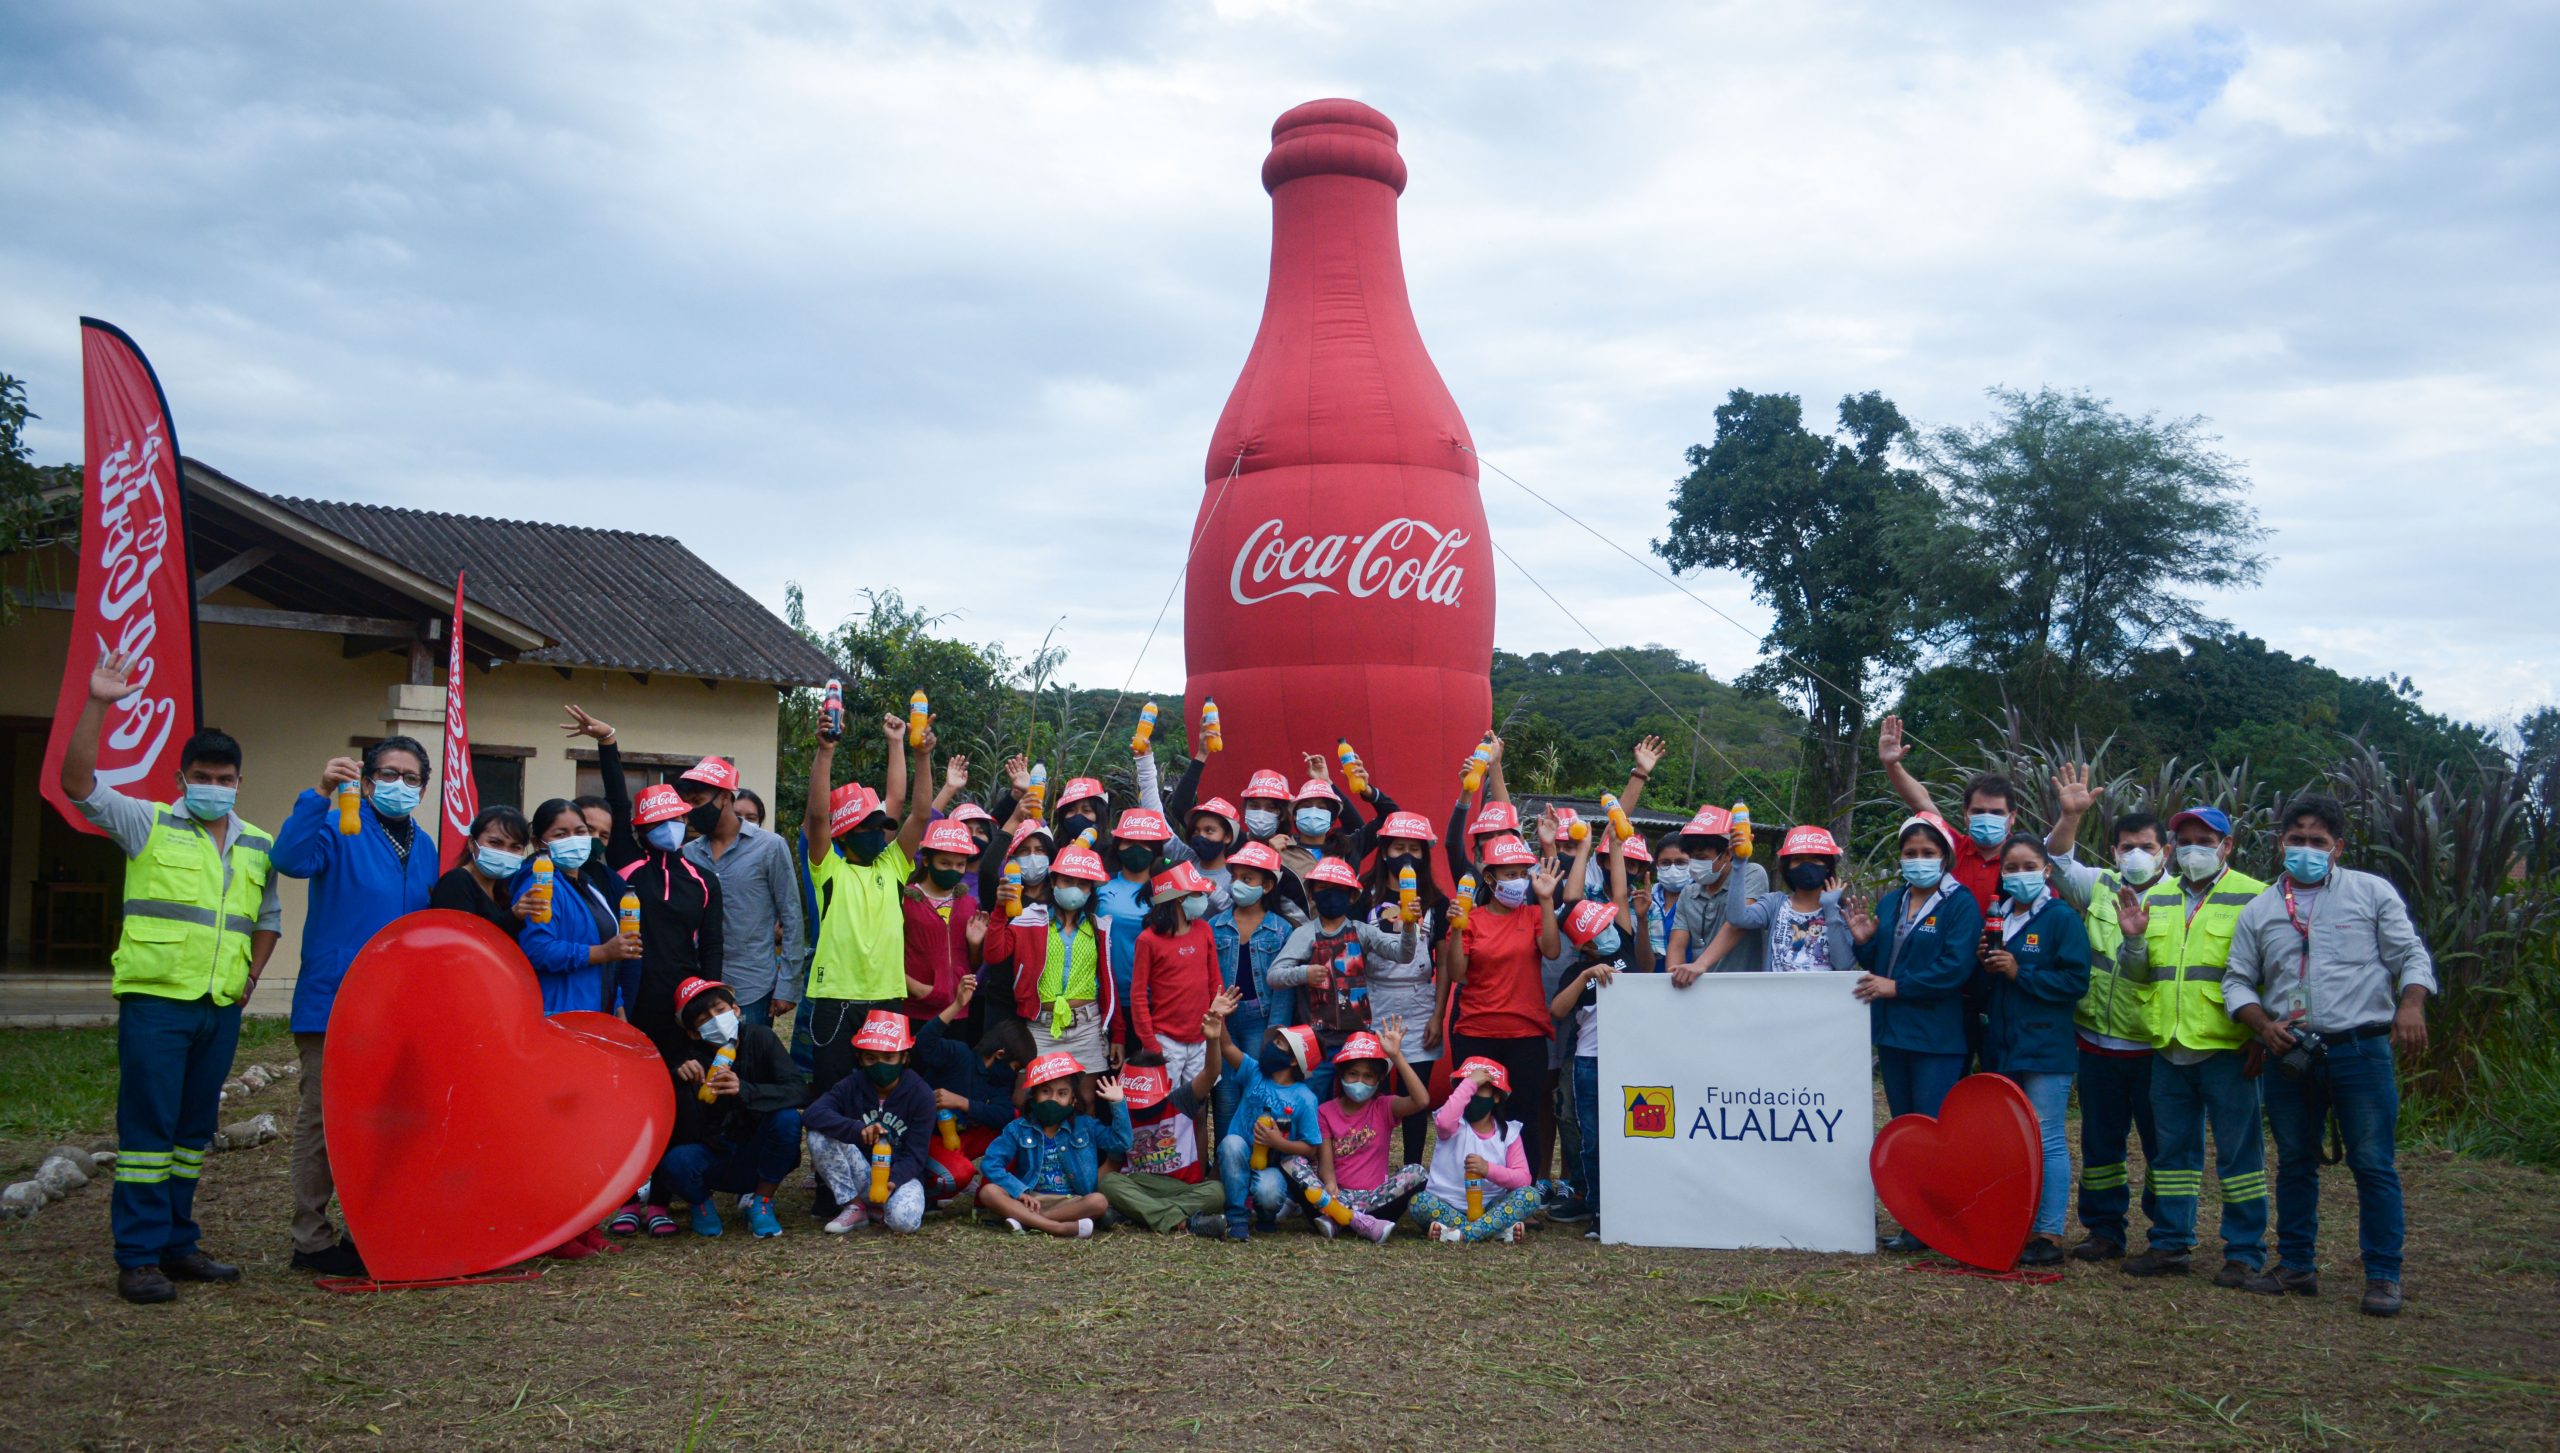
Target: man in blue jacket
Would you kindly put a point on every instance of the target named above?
(360, 881)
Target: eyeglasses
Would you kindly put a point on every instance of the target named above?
(390, 775)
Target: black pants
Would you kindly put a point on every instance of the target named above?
(1415, 1126)
(832, 1025)
(1531, 1101)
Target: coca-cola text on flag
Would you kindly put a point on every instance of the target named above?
(137, 592)
(1341, 583)
(461, 794)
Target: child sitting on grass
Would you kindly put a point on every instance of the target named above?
(1164, 1183)
(881, 1101)
(1043, 1172)
(1276, 1112)
(1359, 1122)
(1478, 1145)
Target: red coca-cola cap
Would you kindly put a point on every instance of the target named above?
(1411, 826)
(971, 812)
(658, 803)
(1223, 810)
(1336, 871)
(1140, 825)
(1637, 852)
(1586, 920)
(950, 835)
(1267, 783)
(1318, 789)
(1509, 852)
(714, 773)
(1254, 855)
(1147, 1086)
(1026, 833)
(1810, 842)
(1078, 789)
(1496, 817)
(1334, 137)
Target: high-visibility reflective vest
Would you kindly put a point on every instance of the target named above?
(2115, 1006)
(2187, 958)
(186, 932)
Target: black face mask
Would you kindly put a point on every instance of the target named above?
(1208, 849)
(1333, 902)
(1050, 1114)
(704, 818)
(946, 879)
(1071, 828)
(865, 843)
(1485, 1106)
(884, 1075)
(1806, 877)
(1137, 857)
(1275, 1059)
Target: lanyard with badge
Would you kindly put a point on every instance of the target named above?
(2300, 999)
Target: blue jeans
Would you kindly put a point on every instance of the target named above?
(172, 1056)
(690, 1173)
(1917, 1083)
(1245, 1029)
(756, 1011)
(2050, 1093)
(1586, 1113)
(2184, 1100)
(1269, 1189)
(2115, 1101)
(2359, 1088)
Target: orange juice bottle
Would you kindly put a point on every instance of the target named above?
(1408, 895)
(948, 1125)
(1354, 771)
(630, 912)
(1212, 738)
(349, 820)
(728, 1055)
(1035, 796)
(1143, 739)
(919, 716)
(1009, 897)
(1262, 1152)
(1326, 1205)
(1463, 904)
(1742, 831)
(880, 1171)
(1618, 822)
(1472, 777)
(541, 894)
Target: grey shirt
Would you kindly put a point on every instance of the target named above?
(2364, 952)
(129, 820)
(1702, 912)
(759, 888)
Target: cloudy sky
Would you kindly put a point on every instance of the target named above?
(948, 297)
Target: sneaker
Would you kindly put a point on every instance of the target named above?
(1571, 1213)
(338, 1260)
(1905, 1242)
(1238, 1230)
(706, 1219)
(760, 1217)
(2098, 1248)
(1084, 1228)
(144, 1285)
(1207, 1223)
(1377, 1231)
(2041, 1251)
(2381, 1298)
(851, 1217)
(2234, 1274)
(196, 1266)
(1591, 1232)
(2156, 1262)
(626, 1222)
(2275, 1281)
(1324, 1227)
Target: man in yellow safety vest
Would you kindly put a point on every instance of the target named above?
(200, 918)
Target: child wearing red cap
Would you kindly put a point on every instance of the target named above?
(1044, 1171)
(1163, 1183)
(1276, 1112)
(1605, 944)
(1336, 957)
(1176, 971)
(745, 1139)
(1477, 1146)
(1059, 955)
(882, 1102)
(1354, 1165)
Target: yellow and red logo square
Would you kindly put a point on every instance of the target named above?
(1649, 1112)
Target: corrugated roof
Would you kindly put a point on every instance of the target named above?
(610, 598)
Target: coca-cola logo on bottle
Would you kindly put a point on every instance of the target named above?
(1399, 558)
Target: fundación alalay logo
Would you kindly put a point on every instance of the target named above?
(1649, 1112)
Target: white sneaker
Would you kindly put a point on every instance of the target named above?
(847, 1219)
(1084, 1228)
(1324, 1224)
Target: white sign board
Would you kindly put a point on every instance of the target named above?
(1737, 1112)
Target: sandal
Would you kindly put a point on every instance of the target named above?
(658, 1221)
(625, 1222)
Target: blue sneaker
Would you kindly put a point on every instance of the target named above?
(1238, 1230)
(706, 1218)
(760, 1217)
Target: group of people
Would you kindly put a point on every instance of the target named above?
(1211, 1017)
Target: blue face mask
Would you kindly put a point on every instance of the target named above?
(1314, 822)
(497, 863)
(666, 836)
(1605, 942)
(208, 803)
(1989, 829)
(1261, 822)
(569, 854)
(394, 799)
(1358, 1091)
(1035, 866)
(1245, 894)
(1923, 873)
(2306, 865)
(2023, 888)
(1070, 896)
(1195, 906)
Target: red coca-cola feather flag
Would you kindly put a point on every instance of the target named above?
(1342, 580)
(137, 592)
(461, 794)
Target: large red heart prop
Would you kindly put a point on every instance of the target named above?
(1965, 1180)
(466, 1131)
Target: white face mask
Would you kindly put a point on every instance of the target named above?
(1673, 876)
(721, 1028)
(2199, 862)
(2138, 865)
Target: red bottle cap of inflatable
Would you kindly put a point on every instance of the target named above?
(1349, 580)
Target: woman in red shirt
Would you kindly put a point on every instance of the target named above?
(1177, 971)
(1500, 1006)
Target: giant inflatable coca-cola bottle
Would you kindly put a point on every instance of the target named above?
(1342, 584)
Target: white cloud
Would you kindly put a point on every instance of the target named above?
(948, 298)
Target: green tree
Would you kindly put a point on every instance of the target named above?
(1831, 531)
(39, 503)
(2081, 536)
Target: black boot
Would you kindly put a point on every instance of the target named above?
(144, 1285)
(196, 1266)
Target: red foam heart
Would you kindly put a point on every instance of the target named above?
(466, 1131)
(1966, 1179)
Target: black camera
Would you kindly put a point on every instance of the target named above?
(2308, 1054)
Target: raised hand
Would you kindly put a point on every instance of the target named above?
(955, 774)
(1545, 878)
(2131, 914)
(1649, 755)
(2071, 789)
(893, 727)
(1890, 749)
(1861, 915)
(1224, 1003)
(1319, 766)
(976, 932)
(112, 681)
(1017, 770)
(1391, 1029)
(1493, 744)
(1108, 1088)
(582, 725)
(337, 770)
(967, 988)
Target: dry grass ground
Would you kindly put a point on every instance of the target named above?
(965, 1338)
